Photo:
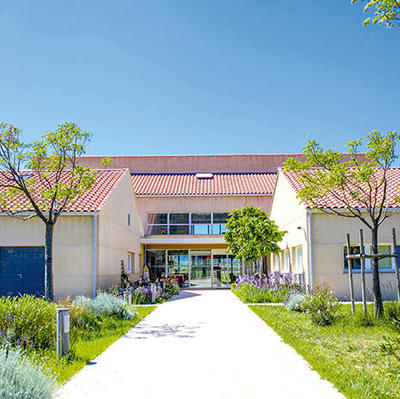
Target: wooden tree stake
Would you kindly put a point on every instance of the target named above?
(350, 267)
(362, 260)
(396, 264)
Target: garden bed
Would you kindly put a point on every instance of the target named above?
(28, 339)
(347, 353)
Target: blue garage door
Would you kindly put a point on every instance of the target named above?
(22, 271)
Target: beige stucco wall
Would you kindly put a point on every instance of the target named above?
(116, 238)
(329, 236)
(289, 214)
(220, 204)
(72, 250)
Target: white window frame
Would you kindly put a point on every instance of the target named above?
(298, 259)
(131, 263)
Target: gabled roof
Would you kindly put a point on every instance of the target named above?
(90, 201)
(188, 184)
(336, 200)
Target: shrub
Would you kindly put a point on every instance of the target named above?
(21, 378)
(107, 305)
(391, 347)
(294, 302)
(28, 321)
(322, 305)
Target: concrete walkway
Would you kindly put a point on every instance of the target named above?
(201, 344)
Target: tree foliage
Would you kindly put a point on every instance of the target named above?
(41, 179)
(386, 12)
(251, 234)
(355, 186)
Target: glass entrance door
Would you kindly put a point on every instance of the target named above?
(200, 268)
(220, 275)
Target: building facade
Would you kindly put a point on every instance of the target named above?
(183, 203)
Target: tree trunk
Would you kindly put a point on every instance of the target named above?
(376, 286)
(48, 271)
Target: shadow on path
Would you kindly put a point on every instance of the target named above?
(165, 330)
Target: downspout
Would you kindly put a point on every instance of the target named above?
(310, 248)
(94, 255)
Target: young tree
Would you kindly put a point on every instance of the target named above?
(359, 184)
(250, 234)
(41, 179)
(387, 12)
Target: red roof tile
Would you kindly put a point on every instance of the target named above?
(336, 200)
(90, 201)
(187, 184)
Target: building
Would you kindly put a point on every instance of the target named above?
(183, 203)
(314, 245)
(98, 231)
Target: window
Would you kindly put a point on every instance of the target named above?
(131, 262)
(201, 223)
(155, 261)
(178, 223)
(178, 262)
(298, 258)
(385, 263)
(129, 219)
(157, 223)
(219, 221)
(356, 263)
(185, 223)
(277, 262)
(286, 260)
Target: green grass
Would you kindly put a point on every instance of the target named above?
(346, 353)
(87, 347)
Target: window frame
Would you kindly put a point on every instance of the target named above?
(368, 261)
(131, 263)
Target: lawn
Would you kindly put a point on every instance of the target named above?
(90, 345)
(346, 353)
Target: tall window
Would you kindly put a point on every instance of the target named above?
(298, 258)
(131, 263)
(286, 260)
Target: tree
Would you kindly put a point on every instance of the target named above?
(387, 12)
(41, 179)
(251, 234)
(359, 184)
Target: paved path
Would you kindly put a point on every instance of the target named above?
(203, 344)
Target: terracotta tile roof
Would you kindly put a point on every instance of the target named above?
(336, 200)
(187, 184)
(90, 201)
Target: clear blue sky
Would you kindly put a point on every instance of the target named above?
(198, 77)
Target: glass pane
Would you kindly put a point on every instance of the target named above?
(200, 268)
(203, 218)
(179, 229)
(355, 250)
(385, 263)
(220, 217)
(219, 228)
(179, 218)
(178, 262)
(157, 230)
(155, 261)
(201, 229)
(157, 218)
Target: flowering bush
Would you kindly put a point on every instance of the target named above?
(164, 289)
(271, 288)
(322, 305)
(21, 378)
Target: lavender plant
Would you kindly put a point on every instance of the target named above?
(274, 287)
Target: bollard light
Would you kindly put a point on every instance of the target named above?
(62, 332)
